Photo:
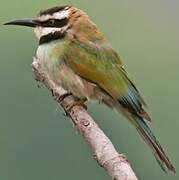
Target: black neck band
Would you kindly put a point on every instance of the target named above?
(51, 37)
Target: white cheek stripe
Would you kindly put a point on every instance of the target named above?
(47, 30)
(42, 31)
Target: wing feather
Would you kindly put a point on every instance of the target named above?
(101, 65)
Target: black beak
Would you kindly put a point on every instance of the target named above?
(23, 22)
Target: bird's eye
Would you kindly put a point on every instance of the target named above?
(51, 22)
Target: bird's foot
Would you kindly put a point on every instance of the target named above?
(62, 97)
(78, 102)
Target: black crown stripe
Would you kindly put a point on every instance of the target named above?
(53, 10)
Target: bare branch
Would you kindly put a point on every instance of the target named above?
(106, 155)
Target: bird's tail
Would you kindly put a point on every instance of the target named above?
(138, 120)
(153, 143)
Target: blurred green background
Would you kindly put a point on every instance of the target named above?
(37, 142)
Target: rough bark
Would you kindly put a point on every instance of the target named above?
(106, 155)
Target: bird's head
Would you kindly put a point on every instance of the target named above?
(58, 22)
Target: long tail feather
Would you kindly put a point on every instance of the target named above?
(138, 120)
(153, 143)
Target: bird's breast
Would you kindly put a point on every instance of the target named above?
(51, 53)
(51, 57)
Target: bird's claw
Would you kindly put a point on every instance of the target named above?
(79, 102)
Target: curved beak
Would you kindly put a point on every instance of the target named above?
(23, 22)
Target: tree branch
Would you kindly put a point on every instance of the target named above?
(106, 155)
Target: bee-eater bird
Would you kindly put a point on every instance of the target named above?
(78, 57)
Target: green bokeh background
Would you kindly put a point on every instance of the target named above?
(37, 142)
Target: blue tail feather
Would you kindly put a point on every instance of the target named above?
(153, 143)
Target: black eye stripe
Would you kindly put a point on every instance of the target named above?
(54, 23)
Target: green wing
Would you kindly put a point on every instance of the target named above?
(101, 65)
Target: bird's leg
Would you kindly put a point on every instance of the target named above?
(78, 102)
(62, 97)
